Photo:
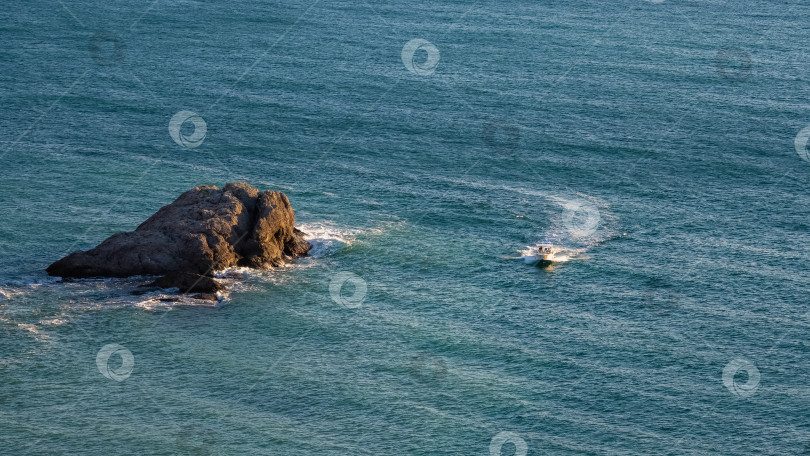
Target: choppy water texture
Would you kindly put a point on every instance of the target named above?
(652, 141)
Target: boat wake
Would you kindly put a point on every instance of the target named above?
(581, 223)
(529, 255)
(575, 222)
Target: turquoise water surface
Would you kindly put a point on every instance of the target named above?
(426, 148)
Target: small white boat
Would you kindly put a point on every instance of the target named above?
(545, 254)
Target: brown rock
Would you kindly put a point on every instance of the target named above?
(206, 229)
(206, 297)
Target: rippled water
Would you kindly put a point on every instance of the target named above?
(426, 148)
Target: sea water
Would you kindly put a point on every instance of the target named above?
(426, 148)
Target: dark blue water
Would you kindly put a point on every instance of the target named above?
(653, 143)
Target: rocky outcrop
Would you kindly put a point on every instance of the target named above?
(205, 230)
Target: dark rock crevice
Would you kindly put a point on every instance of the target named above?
(205, 230)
